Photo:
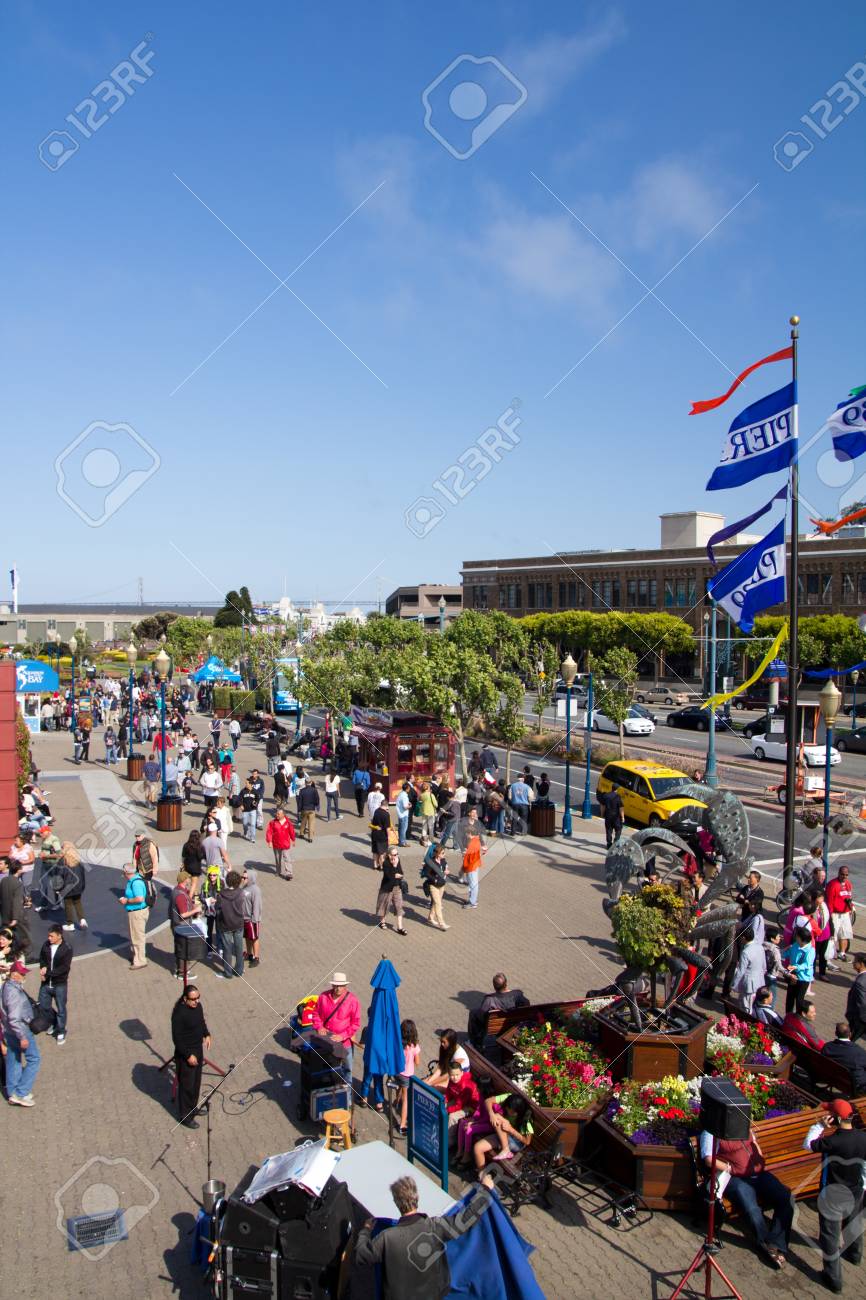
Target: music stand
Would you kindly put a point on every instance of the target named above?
(708, 1249)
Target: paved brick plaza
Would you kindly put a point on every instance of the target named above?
(101, 1098)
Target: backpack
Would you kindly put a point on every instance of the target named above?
(150, 892)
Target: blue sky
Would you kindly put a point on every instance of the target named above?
(428, 292)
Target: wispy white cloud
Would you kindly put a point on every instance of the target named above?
(548, 65)
(549, 257)
(671, 197)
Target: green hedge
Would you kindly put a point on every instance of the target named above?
(238, 700)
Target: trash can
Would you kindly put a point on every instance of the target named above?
(542, 820)
(168, 813)
(135, 767)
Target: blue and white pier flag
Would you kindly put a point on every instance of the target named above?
(754, 581)
(761, 440)
(847, 424)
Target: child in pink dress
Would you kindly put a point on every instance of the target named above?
(411, 1052)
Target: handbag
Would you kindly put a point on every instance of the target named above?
(392, 835)
(404, 887)
(41, 1019)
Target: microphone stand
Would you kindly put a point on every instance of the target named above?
(709, 1248)
(204, 1108)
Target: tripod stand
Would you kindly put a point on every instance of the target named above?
(204, 1108)
(706, 1255)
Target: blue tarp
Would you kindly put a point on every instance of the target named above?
(214, 670)
(490, 1261)
(383, 1045)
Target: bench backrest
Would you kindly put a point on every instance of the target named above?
(546, 1133)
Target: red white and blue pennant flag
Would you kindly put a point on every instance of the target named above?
(761, 440)
(754, 581)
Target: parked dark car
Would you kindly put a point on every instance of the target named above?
(855, 740)
(861, 709)
(761, 725)
(757, 697)
(643, 712)
(694, 718)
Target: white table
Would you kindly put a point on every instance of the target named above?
(369, 1170)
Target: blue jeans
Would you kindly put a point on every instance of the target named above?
(110, 754)
(333, 801)
(249, 821)
(272, 766)
(472, 880)
(448, 833)
(58, 993)
(231, 944)
(21, 1067)
(377, 1083)
(346, 1066)
(235, 742)
(520, 815)
(744, 1193)
(402, 826)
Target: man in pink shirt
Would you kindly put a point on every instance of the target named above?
(337, 1014)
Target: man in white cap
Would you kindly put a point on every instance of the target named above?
(134, 901)
(337, 1014)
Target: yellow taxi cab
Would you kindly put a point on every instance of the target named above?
(648, 790)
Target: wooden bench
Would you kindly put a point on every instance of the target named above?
(527, 1178)
(781, 1141)
(820, 1070)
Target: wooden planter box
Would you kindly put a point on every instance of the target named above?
(534, 1015)
(647, 1056)
(781, 1069)
(574, 1123)
(664, 1176)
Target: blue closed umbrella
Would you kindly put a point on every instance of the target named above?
(383, 1045)
(490, 1261)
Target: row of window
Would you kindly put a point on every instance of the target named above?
(642, 593)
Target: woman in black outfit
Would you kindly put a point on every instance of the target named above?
(191, 1038)
(391, 890)
(380, 824)
(192, 860)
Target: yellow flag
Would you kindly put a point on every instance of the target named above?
(716, 700)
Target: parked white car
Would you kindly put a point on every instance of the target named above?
(634, 724)
(776, 747)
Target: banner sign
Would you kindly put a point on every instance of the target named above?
(32, 676)
(428, 1129)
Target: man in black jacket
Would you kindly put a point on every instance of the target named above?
(855, 1008)
(501, 999)
(853, 1058)
(308, 803)
(191, 1038)
(55, 959)
(12, 900)
(611, 804)
(412, 1252)
(840, 1203)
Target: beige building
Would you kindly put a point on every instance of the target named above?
(422, 602)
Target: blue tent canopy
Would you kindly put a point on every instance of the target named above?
(214, 670)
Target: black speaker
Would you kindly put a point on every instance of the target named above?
(317, 1238)
(301, 1282)
(252, 1274)
(254, 1227)
(725, 1112)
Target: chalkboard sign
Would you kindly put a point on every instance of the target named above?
(428, 1129)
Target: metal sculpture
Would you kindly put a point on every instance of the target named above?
(725, 818)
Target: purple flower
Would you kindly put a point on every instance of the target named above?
(760, 1058)
(642, 1137)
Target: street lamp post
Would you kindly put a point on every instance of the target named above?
(161, 663)
(711, 776)
(132, 655)
(829, 699)
(855, 677)
(568, 670)
(441, 615)
(587, 797)
(73, 646)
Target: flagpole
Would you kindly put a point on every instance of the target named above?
(791, 727)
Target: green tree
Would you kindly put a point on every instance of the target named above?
(541, 666)
(506, 721)
(246, 605)
(614, 678)
(232, 612)
(153, 626)
(186, 638)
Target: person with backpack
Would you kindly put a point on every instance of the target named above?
(135, 902)
(145, 855)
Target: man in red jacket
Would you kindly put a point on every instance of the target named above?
(281, 836)
(800, 1027)
(839, 898)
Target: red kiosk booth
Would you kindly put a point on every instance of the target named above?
(395, 745)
